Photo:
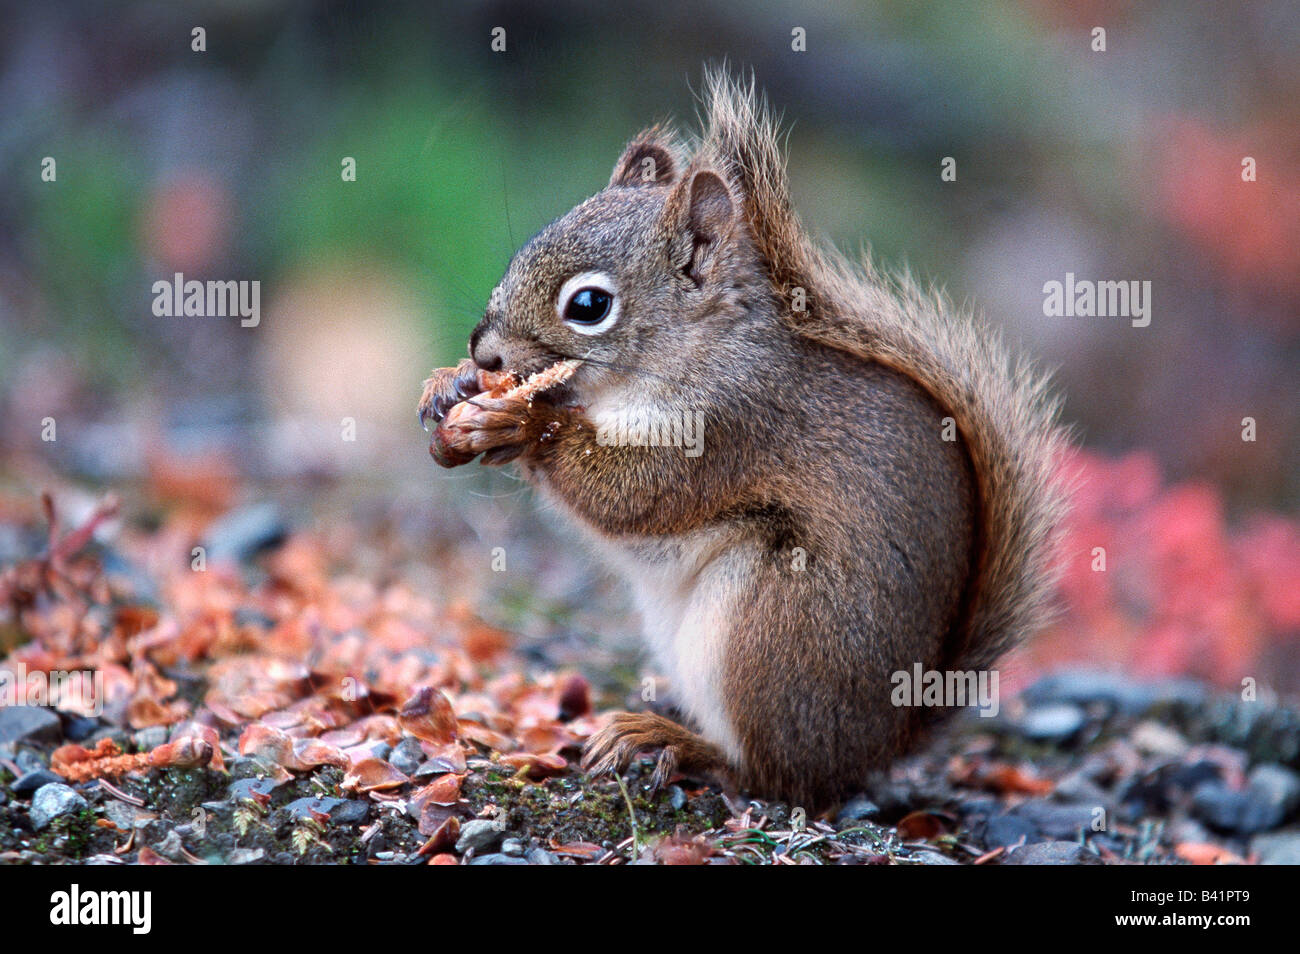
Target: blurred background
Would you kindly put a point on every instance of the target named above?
(226, 164)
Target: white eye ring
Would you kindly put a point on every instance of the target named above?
(575, 284)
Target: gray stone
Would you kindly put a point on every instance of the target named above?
(303, 807)
(540, 856)
(126, 816)
(171, 847)
(1272, 794)
(34, 780)
(497, 859)
(1155, 738)
(29, 761)
(406, 756)
(1218, 806)
(29, 724)
(480, 834)
(245, 787)
(1082, 686)
(856, 809)
(351, 812)
(1079, 788)
(1052, 853)
(1056, 820)
(513, 847)
(77, 728)
(676, 797)
(932, 858)
(1055, 722)
(54, 801)
(1003, 831)
(146, 740)
(245, 856)
(243, 533)
(1278, 848)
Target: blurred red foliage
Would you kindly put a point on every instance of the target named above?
(1157, 582)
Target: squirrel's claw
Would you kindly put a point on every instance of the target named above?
(445, 388)
(613, 747)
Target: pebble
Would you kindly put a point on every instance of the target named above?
(33, 780)
(406, 756)
(513, 847)
(497, 859)
(53, 801)
(1055, 722)
(29, 724)
(1052, 853)
(245, 787)
(1058, 820)
(351, 812)
(676, 797)
(171, 847)
(244, 532)
(1188, 777)
(480, 834)
(78, 728)
(146, 740)
(1003, 831)
(540, 856)
(1278, 848)
(1077, 787)
(28, 761)
(125, 816)
(857, 809)
(1272, 794)
(245, 856)
(304, 807)
(1217, 805)
(1153, 738)
(932, 858)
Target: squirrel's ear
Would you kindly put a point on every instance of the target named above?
(645, 161)
(702, 214)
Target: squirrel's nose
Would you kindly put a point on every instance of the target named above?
(484, 356)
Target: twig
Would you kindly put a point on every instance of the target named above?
(631, 814)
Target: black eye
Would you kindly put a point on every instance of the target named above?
(588, 306)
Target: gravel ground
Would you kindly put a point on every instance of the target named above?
(308, 704)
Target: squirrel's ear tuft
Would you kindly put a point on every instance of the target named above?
(647, 160)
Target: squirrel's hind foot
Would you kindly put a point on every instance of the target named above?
(612, 748)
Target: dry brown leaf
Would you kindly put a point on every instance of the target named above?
(428, 716)
(920, 826)
(538, 766)
(372, 775)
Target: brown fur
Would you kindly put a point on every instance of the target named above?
(822, 445)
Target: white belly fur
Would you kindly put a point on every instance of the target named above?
(686, 590)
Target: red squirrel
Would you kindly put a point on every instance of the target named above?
(873, 488)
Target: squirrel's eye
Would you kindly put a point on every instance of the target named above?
(587, 306)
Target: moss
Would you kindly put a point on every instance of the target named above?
(576, 809)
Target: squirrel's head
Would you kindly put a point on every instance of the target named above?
(654, 270)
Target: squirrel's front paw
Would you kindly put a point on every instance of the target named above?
(447, 387)
(612, 748)
(499, 428)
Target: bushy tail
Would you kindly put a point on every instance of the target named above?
(1001, 405)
